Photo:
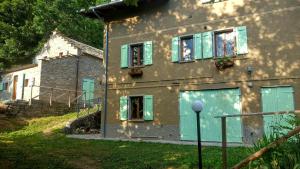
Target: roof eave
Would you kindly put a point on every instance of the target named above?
(119, 9)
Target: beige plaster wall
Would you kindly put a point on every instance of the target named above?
(273, 43)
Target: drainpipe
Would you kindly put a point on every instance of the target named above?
(77, 75)
(106, 74)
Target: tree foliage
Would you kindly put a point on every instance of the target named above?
(25, 25)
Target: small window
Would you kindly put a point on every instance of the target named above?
(26, 82)
(5, 86)
(187, 48)
(225, 43)
(31, 82)
(136, 104)
(136, 55)
(61, 54)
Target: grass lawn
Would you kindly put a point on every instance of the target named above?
(40, 143)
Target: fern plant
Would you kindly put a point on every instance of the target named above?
(284, 156)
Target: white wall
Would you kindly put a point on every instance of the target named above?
(32, 74)
(54, 46)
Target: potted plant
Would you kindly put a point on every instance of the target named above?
(224, 62)
(135, 72)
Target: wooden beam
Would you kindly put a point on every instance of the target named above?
(259, 153)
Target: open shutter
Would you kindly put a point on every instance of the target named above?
(1, 86)
(124, 56)
(207, 39)
(91, 91)
(242, 46)
(123, 108)
(148, 53)
(85, 90)
(148, 107)
(198, 46)
(175, 49)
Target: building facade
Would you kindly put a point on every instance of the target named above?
(63, 66)
(237, 56)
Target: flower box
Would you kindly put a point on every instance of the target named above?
(135, 72)
(223, 63)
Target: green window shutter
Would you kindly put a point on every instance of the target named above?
(207, 39)
(198, 46)
(1, 86)
(124, 56)
(175, 49)
(123, 108)
(91, 91)
(285, 97)
(242, 46)
(148, 52)
(277, 99)
(85, 89)
(148, 107)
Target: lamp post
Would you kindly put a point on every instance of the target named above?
(197, 108)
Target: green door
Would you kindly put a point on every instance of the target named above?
(216, 102)
(88, 86)
(276, 99)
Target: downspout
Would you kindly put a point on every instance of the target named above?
(77, 75)
(106, 73)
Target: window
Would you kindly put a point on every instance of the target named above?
(136, 54)
(206, 45)
(136, 108)
(186, 49)
(5, 86)
(225, 43)
(32, 82)
(26, 82)
(60, 54)
(136, 104)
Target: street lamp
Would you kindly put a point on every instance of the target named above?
(197, 107)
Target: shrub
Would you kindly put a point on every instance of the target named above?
(284, 156)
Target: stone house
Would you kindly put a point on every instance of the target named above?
(237, 56)
(63, 68)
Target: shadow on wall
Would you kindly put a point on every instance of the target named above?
(273, 38)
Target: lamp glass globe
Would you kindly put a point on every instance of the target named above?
(197, 106)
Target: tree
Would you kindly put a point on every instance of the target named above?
(26, 24)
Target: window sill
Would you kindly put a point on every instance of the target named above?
(235, 57)
(137, 120)
(191, 61)
(132, 67)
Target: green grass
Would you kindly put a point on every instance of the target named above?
(39, 143)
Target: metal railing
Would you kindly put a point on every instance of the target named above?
(78, 99)
(91, 105)
(50, 94)
(73, 97)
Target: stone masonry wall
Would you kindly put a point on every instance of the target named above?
(61, 73)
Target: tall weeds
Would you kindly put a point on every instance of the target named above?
(285, 156)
